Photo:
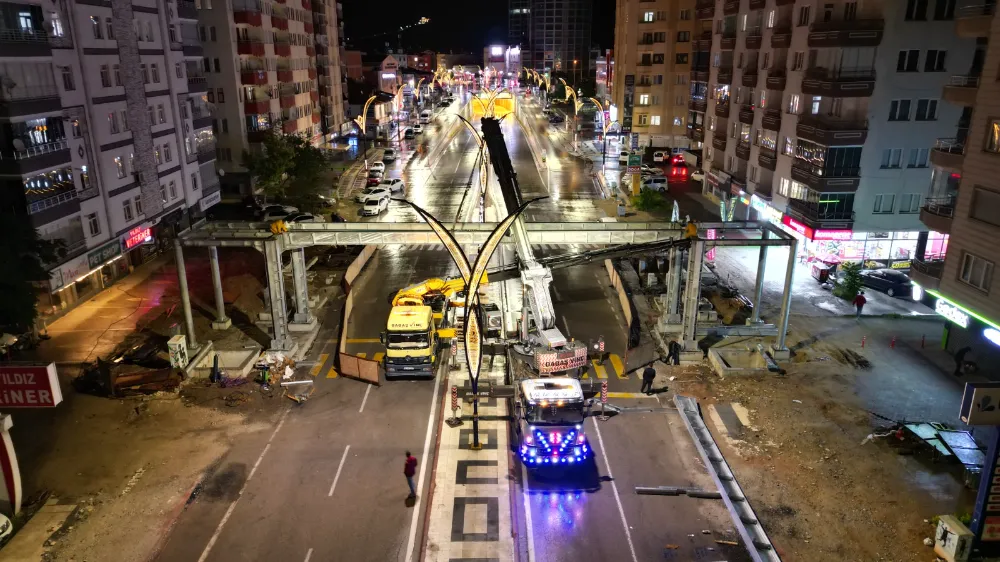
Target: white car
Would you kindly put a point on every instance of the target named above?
(369, 193)
(647, 170)
(655, 183)
(393, 185)
(375, 206)
(272, 213)
(377, 166)
(697, 175)
(623, 157)
(389, 155)
(659, 156)
(418, 129)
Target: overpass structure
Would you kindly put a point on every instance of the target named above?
(618, 239)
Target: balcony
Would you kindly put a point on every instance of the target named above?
(256, 107)
(19, 43)
(197, 84)
(700, 105)
(206, 151)
(186, 10)
(776, 80)
(316, 117)
(88, 193)
(719, 140)
(781, 38)
(829, 180)
(973, 20)
(771, 120)
(287, 101)
(722, 108)
(705, 9)
(37, 158)
(279, 23)
(948, 153)
(746, 114)
(285, 76)
(53, 208)
(831, 132)
(819, 217)
(254, 77)
(696, 133)
(314, 96)
(757, 4)
(248, 18)
(749, 78)
(937, 213)
(308, 27)
(312, 73)
(699, 74)
(743, 151)
(728, 42)
(843, 83)
(767, 158)
(731, 7)
(250, 47)
(849, 33)
(289, 127)
(927, 274)
(961, 90)
(282, 49)
(725, 75)
(703, 45)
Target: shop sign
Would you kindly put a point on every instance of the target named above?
(68, 271)
(993, 335)
(556, 361)
(797, 226)
(627, 102)
(110, 250)
(833, 235)
(766, 211)
(981, 404)
(211, 199)
(710, 235)
(951, 312)
(634, 164)
(635, 141)
(900, 264)
(136, 236)
(29, 386)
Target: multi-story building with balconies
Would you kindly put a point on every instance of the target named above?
(822, 116)
(653, 57)
(96, 139)
(554, 35)
(963, 201)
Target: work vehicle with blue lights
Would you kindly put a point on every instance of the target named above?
(548, 416)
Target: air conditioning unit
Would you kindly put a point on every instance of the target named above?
(952, 539)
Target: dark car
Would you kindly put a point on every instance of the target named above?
(890, 281)
(374, 177)
(556, 118)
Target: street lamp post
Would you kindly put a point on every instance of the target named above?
(361, 121)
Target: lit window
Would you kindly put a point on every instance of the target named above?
(654, 120)
(648, 16)
(643, 99)
(992, 136)
(120, 167)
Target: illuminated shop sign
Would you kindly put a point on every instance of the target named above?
(993, 335)
(796, 226)
(951, 312)
(138, 236)
(832, 234)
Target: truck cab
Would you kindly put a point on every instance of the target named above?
(549, 414)
(410, 342)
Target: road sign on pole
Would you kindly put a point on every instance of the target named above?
(604, 400)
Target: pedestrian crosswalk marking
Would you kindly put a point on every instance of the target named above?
(319, 364)
(378, 356)
(602, 373)
(363, 355)
(363, 340)
(616, 364)
(627, 395)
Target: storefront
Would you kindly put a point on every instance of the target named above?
(966, 328)
(81, 278)
(717, 185)
(139, 245)
(763, 211)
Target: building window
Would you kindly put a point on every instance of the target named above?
(211, 33)
(685, 15)
(113, 122)
(194, 182)
(95, 24)
(221, 96)
(804, 15)
(111, 28)
(908, 61)
(648, 17)
(67, 77)
(926, 110)
(680, 79)
(163, 194)
(683, 36)
(976, 271)
(167, 156)
(138, 205)
(145, 73)
(179, 70)
(105, 76)
(127, 210)
(681, 58)
(173, 189)
(225, 125)
(935, 61)
(891, 157)
(899, 110)
(985, 206)
(157, 155)
(918, 158)
(654, 120)
(798, 60)
(992, 143)
(944, 10)
(643, 99)
(155, 71)
(210, 96)
(916, 10)
(793, 104)
(149, 31)
(172, 33)
(884, 203)
(678, 121)
(161, 114)
(643, 119)
(909, 203)
(218, 67)
(93, 224)
(117, 70)
(120, 167)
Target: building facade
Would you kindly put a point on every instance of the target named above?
(822, 116)
(554, 35)
(652, 65)
(99, 138)
(963, 200)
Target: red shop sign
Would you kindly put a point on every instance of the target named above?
(832, 234)
(29, 386)
(137, 236)
(797, 226)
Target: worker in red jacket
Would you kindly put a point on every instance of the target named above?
(859, 302)
(409, 469)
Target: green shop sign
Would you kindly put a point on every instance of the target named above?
(110, 250)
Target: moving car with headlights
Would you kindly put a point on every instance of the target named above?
(369, 193)
(418, 129)
(548, 416)
(373, 207)
(393, 185)
(378, 165)
(389, 155)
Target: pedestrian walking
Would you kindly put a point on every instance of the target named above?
(673, 353)
(960, 360)
(648, 374)
(409, 469)
(859, 303)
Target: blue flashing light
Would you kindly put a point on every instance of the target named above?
(533, 452)
(572, 460)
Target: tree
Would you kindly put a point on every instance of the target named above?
(24, 255)
(289, 169)
(850, 282)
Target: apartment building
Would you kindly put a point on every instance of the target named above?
(554, 35)
(328, 20)
(822, 116)
(97, 143)
(964, 196)
(652, 59)
(262, 72)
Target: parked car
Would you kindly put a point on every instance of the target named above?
(697, 175)
(389, 155)
(302, 217)
(370, 193)
(656, 183)
(659, 156)
(374, 177)
(334, 217)
(891, 281)
(556, 118)
(546, 111)
(272, 213)
(418, 129)
(623, 157)
(408, 133)
(647, 170)
(393, 185)
(373, 207)
(378, 165)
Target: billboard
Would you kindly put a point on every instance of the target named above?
(29, 386)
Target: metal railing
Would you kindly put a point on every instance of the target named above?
(949, 145)
(88, 193)
(962, 81)
(23, 36)
(36, 150)
(940, 206)
(28, 92)
(49, 202)
(823, 73)
(932, 268)
(976, 10)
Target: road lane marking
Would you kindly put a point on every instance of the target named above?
(411, 542)
(332, 373)
(616, 364)
(308, 555)
(627, 395)
(319, 364)
(365, 399)
(363, 340)
(232, 506)
(378, 356)
(336, 476)
(362, 355)
(602, 373)
(614, 488)
(527, 515)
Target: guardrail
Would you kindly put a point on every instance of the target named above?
(351, 365)
(628, 307)
(48, 202)
(36, 150)
(940, 206)
(949, 145)
(962, 81)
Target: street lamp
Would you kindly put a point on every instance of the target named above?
(361, 120)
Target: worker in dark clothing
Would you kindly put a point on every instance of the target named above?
(960, 360)
(648, 374)
(673, 353)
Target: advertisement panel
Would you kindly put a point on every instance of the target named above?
(556, 361)
(29, 386)
(628, 103)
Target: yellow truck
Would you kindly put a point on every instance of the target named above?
(410, 341)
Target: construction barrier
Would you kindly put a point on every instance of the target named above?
(351, 365)
(628, 307)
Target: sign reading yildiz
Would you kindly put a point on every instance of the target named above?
(29, 386)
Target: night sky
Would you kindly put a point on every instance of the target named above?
(454, 25)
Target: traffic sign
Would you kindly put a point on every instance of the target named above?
(634, 163)
(604, 392)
